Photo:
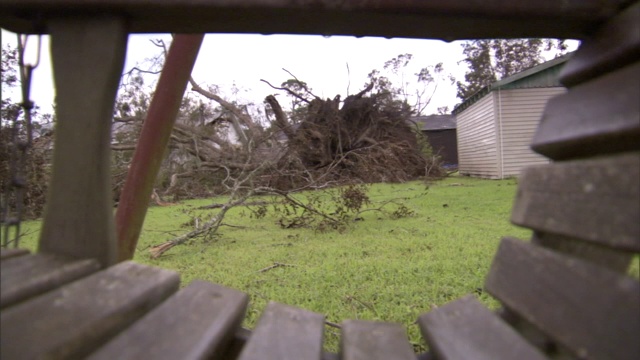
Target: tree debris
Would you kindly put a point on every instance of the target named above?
(275, 265)
(366, 139)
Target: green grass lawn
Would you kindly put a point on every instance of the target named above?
(380, 269)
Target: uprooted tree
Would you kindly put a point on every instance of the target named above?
(365, 138)
(221, 146)
(319, 143)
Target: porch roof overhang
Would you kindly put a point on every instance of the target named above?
(448, 20)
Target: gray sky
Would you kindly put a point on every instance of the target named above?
(243, 60)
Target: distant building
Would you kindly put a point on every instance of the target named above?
(440, 131)
(495, 126)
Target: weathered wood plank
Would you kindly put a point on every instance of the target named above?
(450, 20)
(153, 141)
(27, 276)
(614, 259)
(592, 311)
(367, 340)
(198, 322)
(616, 44)
(598, 117)
(330, 356)
(73, 320)
(465, 329)
(88, 57)
(595, 200)
(530, 333)
(9, 253)
(285, 333)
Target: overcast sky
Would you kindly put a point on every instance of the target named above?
(243, 60)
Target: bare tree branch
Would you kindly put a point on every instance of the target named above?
(301, 83)
(123, 147)
(291, 92)
(239, 114)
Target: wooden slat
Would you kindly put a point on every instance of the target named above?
(286, 333)
(88, 57)
(592, 311)
(330, 356)
(73, 320)
(465, 329)
(27, 276)
(599, 117)
(367, 340)
(529, 332)
(616, 44)
(9, 253)
(450, 20)
(611, 258)
(198, 322)
(594, 200)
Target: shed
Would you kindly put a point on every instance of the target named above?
(495, 126)
(440, 131)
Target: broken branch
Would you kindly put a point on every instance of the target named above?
(275, 265)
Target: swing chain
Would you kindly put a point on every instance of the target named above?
(15, 187)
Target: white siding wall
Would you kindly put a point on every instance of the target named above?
(518, 113)
(477, 153)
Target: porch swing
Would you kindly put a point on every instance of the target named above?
(564, 294)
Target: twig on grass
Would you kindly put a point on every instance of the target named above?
(332, 324)
(351, 298)
(275, 265)
(217, 206)
(234, 226)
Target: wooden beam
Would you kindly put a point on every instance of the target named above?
(88, 57)
(449, 20)
(153, 142)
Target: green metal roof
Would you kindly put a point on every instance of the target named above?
(539, 76)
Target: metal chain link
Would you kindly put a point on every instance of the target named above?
(15, 187)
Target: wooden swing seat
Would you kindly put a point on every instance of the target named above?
(566, 294)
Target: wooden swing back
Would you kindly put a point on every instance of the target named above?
(565, 293)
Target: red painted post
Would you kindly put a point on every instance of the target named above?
(156, 131)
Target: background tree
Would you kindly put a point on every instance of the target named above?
(495, 59)
(210, 139)
(394, 83)
(297, 91)
(9, 80)
(37, 156)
